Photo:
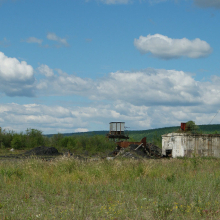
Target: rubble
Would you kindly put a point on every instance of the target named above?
(42, 151)
(153, 150)
(138, 151)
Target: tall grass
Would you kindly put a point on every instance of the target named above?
(149, 189)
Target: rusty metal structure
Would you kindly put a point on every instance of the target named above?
(147, 149)
(117, 133)
(125, 144)
(183, 126)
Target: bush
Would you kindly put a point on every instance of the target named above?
(78, 144)
(56, 140)
(71, 144)
(6, 138)
(16, 142)
(191, 126)
(34, 138)
(98, 143)
(64, 141)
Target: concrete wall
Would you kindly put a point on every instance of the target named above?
(183, 144)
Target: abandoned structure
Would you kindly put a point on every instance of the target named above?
(186, 144)
(117, 131)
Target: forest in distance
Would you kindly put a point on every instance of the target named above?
(137, 135)
(87, 142)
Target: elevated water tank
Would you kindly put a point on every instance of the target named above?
(117, 128)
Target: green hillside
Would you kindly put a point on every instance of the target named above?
(87, 142)
(151, 134)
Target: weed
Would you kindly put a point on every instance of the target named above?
(195, 161)
(171, 178)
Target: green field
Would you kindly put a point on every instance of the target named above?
(69, 188)
(121, 189)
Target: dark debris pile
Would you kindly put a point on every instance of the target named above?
(153, 150)
(43, 151)
(138, 151)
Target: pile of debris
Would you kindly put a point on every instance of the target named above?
(136, 151)
(153, 150)
(43, 151)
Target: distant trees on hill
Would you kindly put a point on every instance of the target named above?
(90, 141)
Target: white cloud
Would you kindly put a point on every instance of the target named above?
(72, 84)
(208, 3)
(16, 78)
(54, 119)
(150, 87)
(143, 99)
(34, 40)
(20, 117)
(164, 47)
(54, 37)
(45, 70)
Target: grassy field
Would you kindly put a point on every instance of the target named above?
(65, 188)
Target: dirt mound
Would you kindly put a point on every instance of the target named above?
(42, 151)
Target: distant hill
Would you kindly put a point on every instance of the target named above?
(151, 133)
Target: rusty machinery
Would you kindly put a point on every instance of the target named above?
(117, 132)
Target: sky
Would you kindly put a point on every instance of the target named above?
(76, 65)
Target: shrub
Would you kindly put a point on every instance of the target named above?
(71, 144)
(191, 126)
(16, 142)
(34, 138)
(56, 140)
(6, 138)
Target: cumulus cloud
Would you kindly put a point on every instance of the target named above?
(163, 47)
(150, 87)
(34, 40)
(45, 70)
(54, 119)
(144, 99)
(16, 78)
(63, 84)
(170, 87)
(208, 3)
(20, 117)
(54, 37)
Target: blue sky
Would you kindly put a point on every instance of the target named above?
(69, 66)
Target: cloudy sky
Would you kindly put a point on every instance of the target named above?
(76, 65)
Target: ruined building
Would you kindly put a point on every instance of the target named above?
(187, 144)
